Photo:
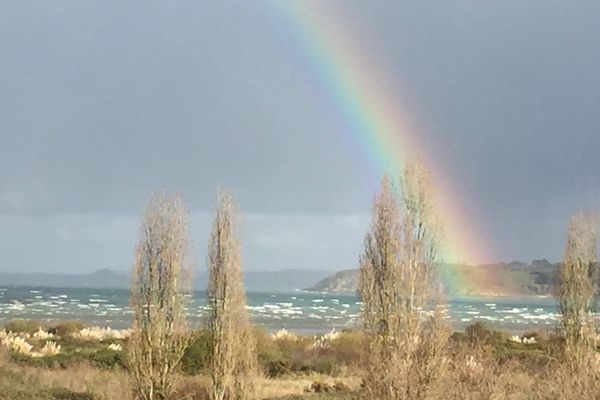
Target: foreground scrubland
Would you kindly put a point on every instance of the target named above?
(481, 363)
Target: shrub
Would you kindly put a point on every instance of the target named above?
(64, 394)
(480, 333)
(107, 359)
(290, 348)
(347, 348)
(23, 326)
(539, 335)
(277, 368)
(61, 360)
(288, 354)
(321, 364)
(269, 353)
(102, 358)
(66, 329)
(196, 357)
(280, 356)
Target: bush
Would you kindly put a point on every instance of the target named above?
(196, 357)
(321, 364)
(100, 358)
(290, 356)
(107, 359)
(64, 394)
(67, 329)
(291, 348)
(61, 360)
(539, 335)
(480, 333)
(286, 356)
(23, 326)
(269, 354)
(348, 347)
(277, 368)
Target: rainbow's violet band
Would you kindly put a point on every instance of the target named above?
(359, 90)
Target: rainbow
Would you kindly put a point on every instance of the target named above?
(358, 89)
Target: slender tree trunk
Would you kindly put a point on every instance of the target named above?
(234, 362)
(158, 299)
(577, 288)
(397, 281)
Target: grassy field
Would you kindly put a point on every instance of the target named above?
(89, 364)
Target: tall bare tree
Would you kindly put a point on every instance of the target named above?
(158, 299)
(234, 362)
(397, 282)
(577, 284)
(378, 290)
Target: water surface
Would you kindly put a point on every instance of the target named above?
(302, 312)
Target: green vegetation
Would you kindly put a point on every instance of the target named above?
(23, 326)
(294, 367)
(196, 357)
(67, 329)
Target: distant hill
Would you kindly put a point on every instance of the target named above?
(104, 278)
(340, 282)
(513, 279)
(259, 281)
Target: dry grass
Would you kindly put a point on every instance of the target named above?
(482, 365)
(478, 378)
(102, 385)
(116, 384)
(275, 388)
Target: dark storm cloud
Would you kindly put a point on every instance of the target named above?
(102, 103)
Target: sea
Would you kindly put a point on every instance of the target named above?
(301, 312)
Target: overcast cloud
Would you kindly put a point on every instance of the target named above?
(105, 102)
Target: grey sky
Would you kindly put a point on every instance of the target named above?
(102, 103)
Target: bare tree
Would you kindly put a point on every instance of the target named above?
(577, 285)
(234, 362)
(158, 299)
(397, 283)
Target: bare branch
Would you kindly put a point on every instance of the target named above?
(159, 291)
(234, 362)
